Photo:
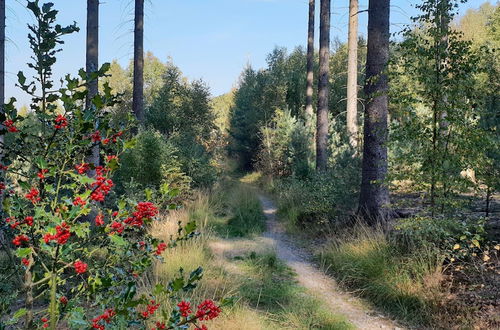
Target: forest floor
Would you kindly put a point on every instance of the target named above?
(317, 284)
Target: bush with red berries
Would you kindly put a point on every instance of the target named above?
(79, 259)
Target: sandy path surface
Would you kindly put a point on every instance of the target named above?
(319, 284)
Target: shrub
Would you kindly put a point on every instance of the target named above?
(317, 200)
(454, 239)
(150, 163)
(285, 147)
(87, 271)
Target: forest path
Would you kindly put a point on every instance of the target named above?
(319, 284)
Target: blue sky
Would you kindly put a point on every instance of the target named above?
(208, 39)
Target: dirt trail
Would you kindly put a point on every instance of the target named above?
(321, 285)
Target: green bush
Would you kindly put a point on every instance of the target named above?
(285, 147)
(318, 199)
(453, 238)
(195, 160)
(153, 161)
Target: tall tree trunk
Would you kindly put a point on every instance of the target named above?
(2, 72)
(352, 75)
(92, 63)
(310, 64)
(138, 93)
(323, 87)
(374, 194)
(3, 242)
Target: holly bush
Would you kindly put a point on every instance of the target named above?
(79, 259)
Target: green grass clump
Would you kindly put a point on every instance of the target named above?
(402, 285)
(243, 214)
(271, 287)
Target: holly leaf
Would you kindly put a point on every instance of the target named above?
(23, 252)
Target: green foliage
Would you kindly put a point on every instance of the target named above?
(260, 93)
(453, 239)
(221, 107)
(317, 200)
(285, 147)
(436, 129)
(76, 266)
(151, 163)
(181, 106)
(182, 112)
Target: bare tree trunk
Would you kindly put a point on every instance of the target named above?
(323, 87)
(310, 64)
(2, 74)
(352, 75)
(92, 63)
(138, 93)
(374, 194)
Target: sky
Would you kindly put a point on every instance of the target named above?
(208, 39)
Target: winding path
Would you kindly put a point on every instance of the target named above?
(319, 284)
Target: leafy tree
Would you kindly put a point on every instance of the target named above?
(248, 115)
(437, 119)
(181, 111)
(482, 28)
(285, 149)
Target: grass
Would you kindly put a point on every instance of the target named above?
(406, 287)
(267, 296)
(241, 214)
(271, 287)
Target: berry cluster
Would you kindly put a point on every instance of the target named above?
(82, 168)
(150, 309)
(10, 126)
(19, 239)
(60, 122)
(61, 236)
(100, 321)
(80, 267)
(102, 186)
(33, 195)
(207, 310)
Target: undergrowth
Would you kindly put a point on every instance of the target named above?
(264, 289)
(404, 286)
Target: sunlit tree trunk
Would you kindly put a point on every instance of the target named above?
(92, 61)
(310, 64)
(352, 75)
(323, 87)
(374, 194)
(138, 93)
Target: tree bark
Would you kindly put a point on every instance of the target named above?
(352, 75)
(323, 87)
(92, 63)
(2, 72)
(138, 93)
(310, 65)
(374, 194)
